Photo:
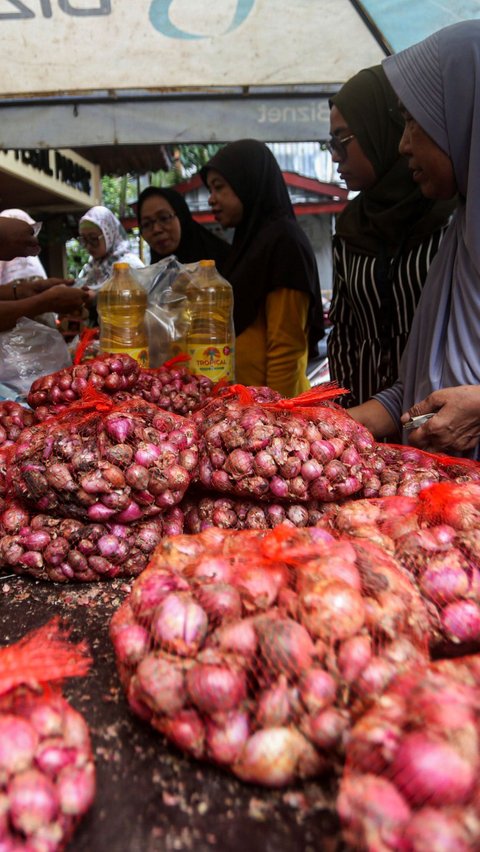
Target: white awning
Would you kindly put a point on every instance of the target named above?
(150, 72)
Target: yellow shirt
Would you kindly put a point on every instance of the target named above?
(273, 350)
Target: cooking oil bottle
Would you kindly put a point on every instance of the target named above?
(210, 335)
(121, 307)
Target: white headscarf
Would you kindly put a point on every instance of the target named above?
(438, 81)
(96, 272)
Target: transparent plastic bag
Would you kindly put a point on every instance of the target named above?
(167, 310)
(28, 351)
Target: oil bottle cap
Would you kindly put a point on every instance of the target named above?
(120, 264)
(207, 263)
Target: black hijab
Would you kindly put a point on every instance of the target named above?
(196, 242)
(268, 221)
(393, 213)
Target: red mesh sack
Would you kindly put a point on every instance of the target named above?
(99, 461)
(403, 470)
(413, 761)
(436, 538)
(65, 549)
(107, 373)
(291, 450)
(47, 773)
(239, 656)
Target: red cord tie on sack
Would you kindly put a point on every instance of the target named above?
(43, 656)
(86, 338)
(308, 399)
(178, 359)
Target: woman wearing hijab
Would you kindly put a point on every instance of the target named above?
(385, 239)
(167, 225)
(106, 240)
(271, 267)
(437, 82)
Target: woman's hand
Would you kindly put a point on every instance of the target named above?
(63, 299)
(31, 286)
(456, 424)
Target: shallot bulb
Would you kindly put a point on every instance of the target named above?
(216, 688)
(428, 771)
(179, 624)
(276, 756)
(373, 812)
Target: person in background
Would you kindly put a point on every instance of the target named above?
(271, 267)
(20, 267)
(28, 298)
(24, 269)
(17, 239)
(385, 240)
(167, 225)
(437, 82)
(104, 236)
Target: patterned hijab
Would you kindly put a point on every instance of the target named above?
(438, 81)
(116, 240)
(392, 213)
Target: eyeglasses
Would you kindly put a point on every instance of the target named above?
(90, 240)
(339, 146)
(162, 220)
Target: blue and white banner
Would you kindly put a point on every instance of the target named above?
(54, 47)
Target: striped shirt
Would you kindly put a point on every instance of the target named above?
(371, 312)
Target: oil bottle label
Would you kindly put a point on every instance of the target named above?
(140, 355)
(214, 361)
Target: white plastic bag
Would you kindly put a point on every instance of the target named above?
(28, 351)
(167, 314)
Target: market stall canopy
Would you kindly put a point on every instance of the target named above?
(94, 73)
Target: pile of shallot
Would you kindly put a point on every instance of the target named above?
(108, 373)
(407, 470)
(413, 764)
(172, 386)
(105, 462)
(47, 774)
(202, 511)
(288, 450)
(255, 649)
(65, 549)
(436, 538)
(13, 419)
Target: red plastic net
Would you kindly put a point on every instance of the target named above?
(47, 773)
(288, 450)
(255, 650)
(412, 778)
(435, 537)
(100, 461)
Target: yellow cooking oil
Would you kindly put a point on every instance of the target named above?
(210, 334)
(121, 307)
